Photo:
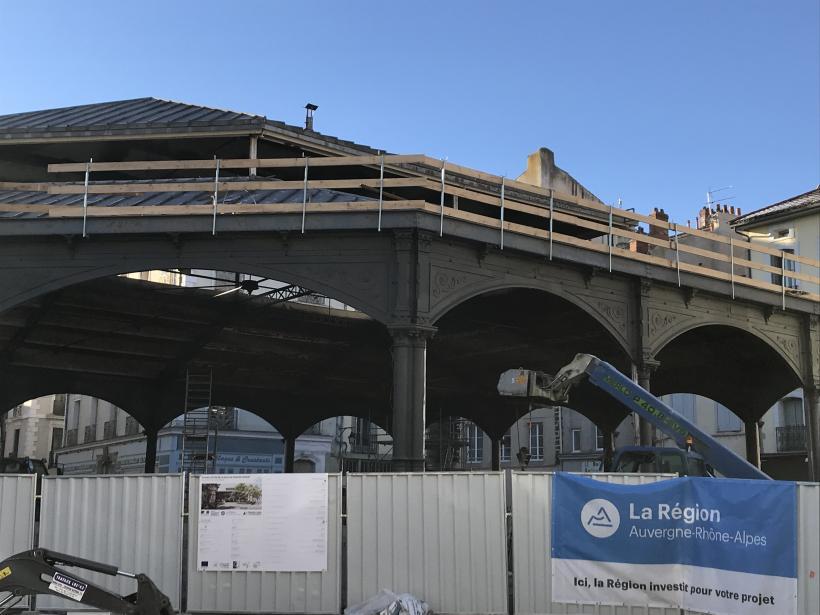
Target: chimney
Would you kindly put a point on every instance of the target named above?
(659, 232)
(640, 247)
(704, 216)
(309, 109)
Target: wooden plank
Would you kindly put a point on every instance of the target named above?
(233, 163)
(230, 208)
(11, 207)
(25, 186)
(224, 186)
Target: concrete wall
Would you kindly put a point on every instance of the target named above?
(542, 171)
(799, 234)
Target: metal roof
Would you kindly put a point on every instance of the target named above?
(135, 113)
(201, 197)
(148, 116)
(790, 207)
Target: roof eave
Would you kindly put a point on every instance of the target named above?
(774, 217)
(52, 135)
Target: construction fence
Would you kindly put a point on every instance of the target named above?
(465, 542)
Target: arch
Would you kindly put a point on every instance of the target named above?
(218, 403)
(669, 335)
(17, 397)
(735, 366)
(303, 465)
(382, 420)
(606, 315)
(356, 284)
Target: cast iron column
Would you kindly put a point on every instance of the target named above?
(609, 448)
(646, 429)
(495, 445)
(752, 443)
(811, 396)
(151, 436)
(290, 454)
(409, 395)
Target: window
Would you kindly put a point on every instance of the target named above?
(109, 429)
(726, 419)
(361, 440)
(58, 405)
(576, 440)
(537, 441)
(90, 434)
(505, 447)
(132, 427)
(792, 411)
(683, 404)
(673, 463)
(787, 265)
(475, 444)
(15, 451)
(18, 411)
(56, 438)
(599, 439)
(71, 437)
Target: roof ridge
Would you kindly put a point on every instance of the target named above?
(187, 104)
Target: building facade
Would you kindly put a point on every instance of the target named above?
(35, 428)
(102, 439)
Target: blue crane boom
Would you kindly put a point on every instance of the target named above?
(541, 386)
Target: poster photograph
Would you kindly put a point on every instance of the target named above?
(263, 522)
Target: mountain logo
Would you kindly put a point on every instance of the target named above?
(600, 518)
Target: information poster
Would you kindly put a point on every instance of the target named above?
(263, 522)
(712, 545)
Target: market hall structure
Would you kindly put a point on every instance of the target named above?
(455, 275)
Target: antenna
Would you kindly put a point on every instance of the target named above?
(710, 192)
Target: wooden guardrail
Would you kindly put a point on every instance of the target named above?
(500, 193)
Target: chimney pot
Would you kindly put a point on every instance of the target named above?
(309, 109)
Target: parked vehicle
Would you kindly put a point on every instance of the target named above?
(23, 465)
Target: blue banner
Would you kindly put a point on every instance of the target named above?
(715, 545)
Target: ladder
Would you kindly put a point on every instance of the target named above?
(199, 431)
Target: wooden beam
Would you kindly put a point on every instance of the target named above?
(258, 208)
(225, 186)
(233, 163)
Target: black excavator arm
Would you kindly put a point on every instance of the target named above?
(34, 572)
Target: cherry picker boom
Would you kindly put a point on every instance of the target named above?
(538, 386)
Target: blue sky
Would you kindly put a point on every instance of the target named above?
(652, 102)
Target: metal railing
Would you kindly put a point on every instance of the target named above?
(791, 438)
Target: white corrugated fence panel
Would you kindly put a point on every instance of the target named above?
(133, 522)
(438, 536)
(268, 592)
(808, 548)
(532, 572)
(16, 515)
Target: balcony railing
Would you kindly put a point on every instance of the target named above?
(791, 438)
